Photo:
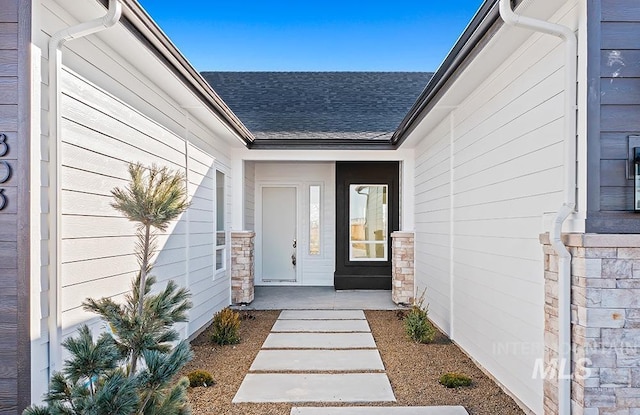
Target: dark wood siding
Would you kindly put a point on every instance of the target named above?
(15, 34)
(614, 113)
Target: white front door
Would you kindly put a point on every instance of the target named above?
(279, 234)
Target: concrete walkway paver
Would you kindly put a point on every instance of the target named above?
(322, 315)
(332, 326)
(380, 410)
(317, 360)
(319, 341)
(324, 341)
(342, 387)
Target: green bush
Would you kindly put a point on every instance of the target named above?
(455, 380)
(417, 324)
(133, 368)
(225, 327)
(200, 378)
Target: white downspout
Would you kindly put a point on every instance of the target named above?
(55, 236)
(568, 206)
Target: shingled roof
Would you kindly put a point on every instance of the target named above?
(319, 105)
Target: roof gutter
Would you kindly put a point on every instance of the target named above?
(475, 33)
(142, 26)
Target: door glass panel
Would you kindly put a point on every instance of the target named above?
(368, 235)
(314, 220)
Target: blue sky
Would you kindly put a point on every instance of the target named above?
(325, 35)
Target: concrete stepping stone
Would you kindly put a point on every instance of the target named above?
(321, 326)
(348, 387)
(319, 341)
(318, 360)
(322, 315)
(380, 410)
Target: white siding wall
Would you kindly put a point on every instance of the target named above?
(315, 269)
(113, 114)
(485, 176)
(249, 196)
(100, 136)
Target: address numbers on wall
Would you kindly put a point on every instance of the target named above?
(5, 170)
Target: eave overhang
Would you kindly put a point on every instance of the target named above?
(141, 25)
(484, 24)
(323, 144)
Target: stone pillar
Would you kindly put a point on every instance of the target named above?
(402, 267)
(242, 267)
(605, 305)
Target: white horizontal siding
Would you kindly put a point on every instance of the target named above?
(120, 104)
(101, 135)
(485, 176)
(432, 221)
(249, 195)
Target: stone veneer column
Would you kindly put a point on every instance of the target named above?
(402, 267)
(605, 307)
(242, 267)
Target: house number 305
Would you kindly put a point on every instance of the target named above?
(5, 169)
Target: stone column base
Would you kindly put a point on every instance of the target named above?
(402, 268)
(242, 267)
(605, 308)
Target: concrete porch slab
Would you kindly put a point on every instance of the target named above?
(322, 315)
(380, 410)
(314, 298)
(351, 387)
(331, 326)
(319, 341)
(317, 360)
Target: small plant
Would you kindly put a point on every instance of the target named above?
(417, 324)
(455, 380)
(226, 324)
(200, 378)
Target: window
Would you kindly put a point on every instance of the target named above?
(314, 220)
(368, 235)
(221, 235)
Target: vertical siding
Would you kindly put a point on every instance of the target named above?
(614, 112)
(479, 213)
(15, 29)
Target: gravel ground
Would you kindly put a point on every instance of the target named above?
(413, 369)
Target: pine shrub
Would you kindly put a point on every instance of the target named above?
(226, 327)
(200, 378)
(132, 369)
(417, 324)
(455, 380)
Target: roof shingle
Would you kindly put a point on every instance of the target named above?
(319, 105)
